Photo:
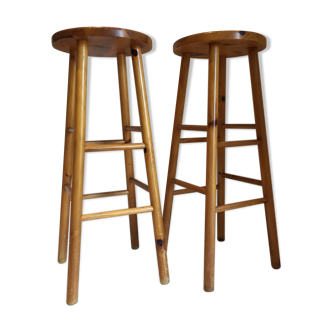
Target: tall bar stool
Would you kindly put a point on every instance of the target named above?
(104, 42)
(217, 46)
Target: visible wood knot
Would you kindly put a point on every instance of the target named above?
(160, 243)
(241, 33)
(145, 150)
(213, 123)
(223, 98)
(134, 52)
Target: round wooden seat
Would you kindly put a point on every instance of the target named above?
(102, 41)
(232, 43)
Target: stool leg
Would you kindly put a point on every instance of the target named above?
(264, 157)
(124, 99)
(221, 151)
(211, 168)
(67, 162)
(78, 174)
(173, 159)
(150, 163)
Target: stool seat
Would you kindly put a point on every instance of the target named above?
(232, 43)
(102, 41)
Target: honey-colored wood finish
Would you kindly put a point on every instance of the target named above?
(232, 43)
(264, 159)
(211, 168)
(106, 194)
(189, 185)
(140, 184)
(242, 204)
(150, 163)
(221, 150)
(78, 172)
(129, 162)
(243, 179)
(116, 213)
(217, 47)
(67, 162)
(106, 42)
(173, 159)
(107, 146)
(226, 126)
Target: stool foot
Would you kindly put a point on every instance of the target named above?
(276, 265)
(162, 262)
(165, 281)
(133, 229)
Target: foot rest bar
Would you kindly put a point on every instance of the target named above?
(188, 185)
(238, 205)
(116, 213)
(134, 128)
(238, 142)
(112, 141)
(243, 179)
(239, 125)
(109, 145)
(220, 144)
(225, 126)
(188, 191)
(140, 184)
(105, 194)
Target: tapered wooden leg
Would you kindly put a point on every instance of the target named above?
(124, 99)
(67, 162)
(211, 168)
(78, 174)
(150, 163)
(264, 157)
(221, 151)
(173, 159)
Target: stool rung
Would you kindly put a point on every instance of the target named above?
(242, 179)
(139, 184)
(133, 128)
(95, 147)
(192, 139)
(192, 127)
(116, 213)
(232, 143)
(203, 127)
(106, 194)
(112, 141)
(239, 125)
(238, 205)
(238, 143)
(187, 185)
(185, 191)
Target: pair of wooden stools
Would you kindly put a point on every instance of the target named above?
(114, 42)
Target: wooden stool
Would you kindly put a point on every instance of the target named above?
(104, 42)
(217, 47)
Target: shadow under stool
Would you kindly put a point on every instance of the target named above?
(104, 42)
(217, 46)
